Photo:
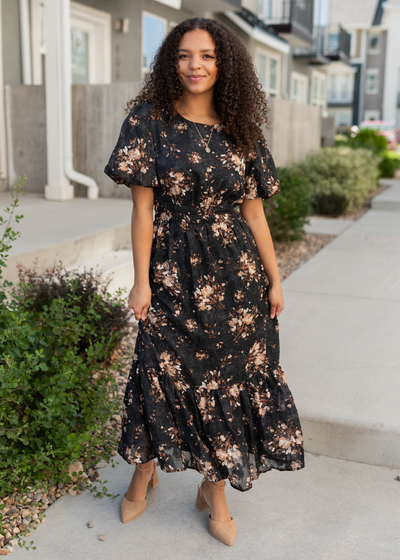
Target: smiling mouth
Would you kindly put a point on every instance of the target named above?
(195, 78)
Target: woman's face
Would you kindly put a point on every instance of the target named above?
(196, 57)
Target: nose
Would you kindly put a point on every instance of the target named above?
(195, 62)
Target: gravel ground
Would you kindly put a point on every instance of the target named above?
(22, 512)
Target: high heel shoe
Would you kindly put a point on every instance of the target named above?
(224, 531)
(132, 509)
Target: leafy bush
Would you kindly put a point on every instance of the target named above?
(342, 140)
(57, 385)
(287, 213)
(54, 399)
(340, 178)
(387, 167)
(105, 317)
(367, 138)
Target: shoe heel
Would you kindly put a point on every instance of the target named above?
(154, 479)
(200, 503)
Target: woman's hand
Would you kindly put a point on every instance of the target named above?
(275, 297)
(139, 300)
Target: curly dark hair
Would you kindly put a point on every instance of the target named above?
(239, 98)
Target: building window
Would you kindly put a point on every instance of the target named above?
(299, 88)
(318, 89)
(272, 74)
(373, 42)
(341, 87)
(268, 73)
(371, 115)
(153, 33)
(264, 9)
(261, 68)
(372, 81)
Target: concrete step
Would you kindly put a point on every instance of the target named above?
(70, 232)
(388, 200)
(117, 265)
(330, 510)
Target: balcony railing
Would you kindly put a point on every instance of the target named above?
(289, 12)
(331, 41)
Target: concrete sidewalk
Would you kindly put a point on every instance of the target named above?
(339, 343)
(330, 510)
(339, 336)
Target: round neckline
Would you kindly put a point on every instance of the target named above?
(194, 122)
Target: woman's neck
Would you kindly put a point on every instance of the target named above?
(194, 107)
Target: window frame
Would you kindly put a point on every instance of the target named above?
(368, 72)
(154, 16)
(369, 37)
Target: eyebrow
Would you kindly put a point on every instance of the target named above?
(203, 50)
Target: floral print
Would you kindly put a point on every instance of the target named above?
(206, 390)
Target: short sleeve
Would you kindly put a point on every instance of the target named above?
(261, 178)
(133, 161)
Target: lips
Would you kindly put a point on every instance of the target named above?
(195, 78)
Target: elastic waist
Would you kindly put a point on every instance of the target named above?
(199, 211)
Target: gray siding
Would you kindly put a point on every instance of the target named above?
(375, 101)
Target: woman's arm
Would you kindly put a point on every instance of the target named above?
(142, 238)
(252, 211)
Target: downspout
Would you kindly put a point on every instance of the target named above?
(25, 42)
(70, 172)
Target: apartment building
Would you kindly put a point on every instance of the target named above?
(114, 43)
(371, 88)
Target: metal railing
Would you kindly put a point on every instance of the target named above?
(329, 41)
(283, 12)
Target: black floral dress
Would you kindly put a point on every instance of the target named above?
(206, 390)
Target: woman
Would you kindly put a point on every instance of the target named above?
(206, 390)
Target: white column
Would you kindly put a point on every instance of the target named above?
(58, 186)
(392, 63)
(3, 148)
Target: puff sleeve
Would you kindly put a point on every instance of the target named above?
(133, 161)
(261, 178)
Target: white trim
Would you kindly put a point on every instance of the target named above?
(322, 78)
(301, 79)
(155, 16)
(373, 71)
(3, 139)
(353, 43)
(258, 34)
(25, 42)
(97, 24)
(176, 4)
(37, 51)
(268, 57)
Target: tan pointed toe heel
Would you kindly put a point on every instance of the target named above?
(131, 509)
(224, 531)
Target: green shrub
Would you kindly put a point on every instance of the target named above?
(387, 167)
(393, 155)
(106, 317)
(340, 178)
(54, 400)
(367, 138)
(342, 139)
(287, 213)
(57, 385)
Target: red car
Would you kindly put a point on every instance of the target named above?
(386, 129)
